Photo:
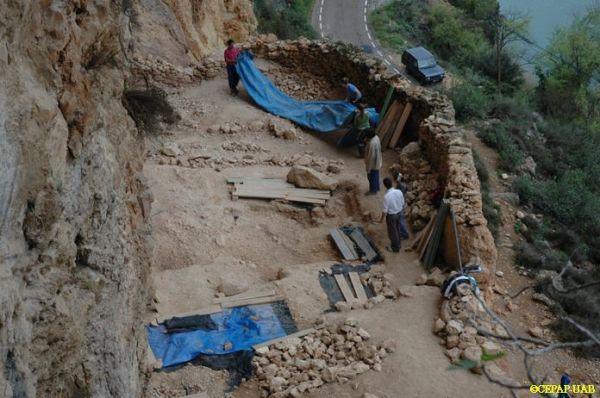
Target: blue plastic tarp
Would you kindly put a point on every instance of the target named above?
(242, 327)
(321, 116)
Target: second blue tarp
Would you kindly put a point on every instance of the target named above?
(321, 116)
(236, 329)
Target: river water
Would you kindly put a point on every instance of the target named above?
(546, 16)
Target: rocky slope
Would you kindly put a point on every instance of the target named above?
(73, 201)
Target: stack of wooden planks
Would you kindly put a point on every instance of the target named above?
(275, 188)
(352, 288)
(393, 123)
(221, 303)
(347, 245)
(429, 238)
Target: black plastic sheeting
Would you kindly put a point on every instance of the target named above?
(348, 230)
(330, 286)
(238, 364)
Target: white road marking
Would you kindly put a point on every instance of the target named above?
(380, 53)
(321, 19)
(387, 62)
(370, 38)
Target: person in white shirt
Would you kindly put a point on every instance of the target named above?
(393, 207)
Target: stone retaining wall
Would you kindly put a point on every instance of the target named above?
(432, 123)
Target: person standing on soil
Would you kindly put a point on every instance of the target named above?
(393, 207)
(353, 94)
(361, 124)
(373, 161)
(231, 55)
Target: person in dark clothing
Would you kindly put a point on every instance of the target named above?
(231, 55)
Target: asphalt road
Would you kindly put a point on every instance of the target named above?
(346, 20)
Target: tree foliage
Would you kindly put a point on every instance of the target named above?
(569, 70)
(287, 20)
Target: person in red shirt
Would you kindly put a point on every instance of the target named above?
(231, 55)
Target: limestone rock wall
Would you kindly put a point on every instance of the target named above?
(432, 123)
(73, 205)
(182, 32)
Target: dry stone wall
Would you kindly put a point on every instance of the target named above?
(432, 123)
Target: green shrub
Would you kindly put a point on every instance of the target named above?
(449, 38)
(397, 24)
(531, 191)
(470, 101)
(286, 22)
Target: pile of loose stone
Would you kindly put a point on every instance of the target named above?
(421, 181)
(463, 326)
(333, 353)
(381, 284)
(159, 70)
(300, 84)
(235, 146)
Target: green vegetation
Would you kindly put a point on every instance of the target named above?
(547, 135)
(460, 37)
(287, 20)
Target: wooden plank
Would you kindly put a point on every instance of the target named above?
(252, 301)
(418, 241)
(243, 296)
(337, 237)
(423, 245)
(274, 195)
(391, 128)
(344, 287)
(280, 193)
(213, 309)
(387, 119)
(364, 245)
(240, 180)
(386, 102)
(358, 287)
(295, 191)
(401, 124)
(300, 333)
(350, 244)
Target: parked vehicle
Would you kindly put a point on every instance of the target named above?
(421, 64)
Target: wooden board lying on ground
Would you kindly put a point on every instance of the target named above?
(213, 309)
(244, 296)
(251, 301)
(344, 287)
(400, 126)
(358, 286)
(347, 251)
(364, 245)
(300, 333)
(272, 188)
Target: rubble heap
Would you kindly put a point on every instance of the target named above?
(463, 326)
(301, 84)
(418, 175)
(333, 353)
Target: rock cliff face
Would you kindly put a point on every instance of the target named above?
(183, 31)
(73, 202)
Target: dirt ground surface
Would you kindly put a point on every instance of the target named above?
(523, 312)
(204, 239)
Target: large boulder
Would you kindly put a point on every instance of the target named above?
(305, 177)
